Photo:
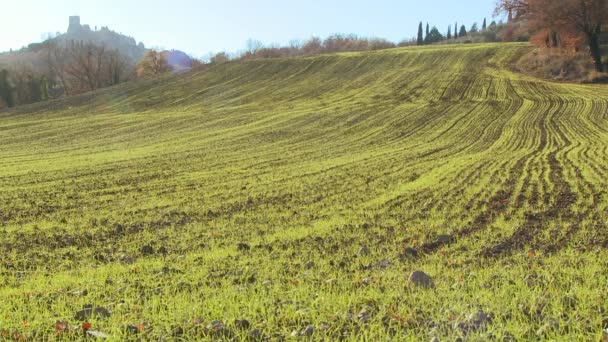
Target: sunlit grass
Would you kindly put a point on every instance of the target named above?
(287, 192)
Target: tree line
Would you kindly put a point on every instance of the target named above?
(63, 69)
(75, 67)
(432, 35)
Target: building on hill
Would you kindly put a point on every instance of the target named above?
(74, 23)
(127, 46)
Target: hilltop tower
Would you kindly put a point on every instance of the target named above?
(74, 23)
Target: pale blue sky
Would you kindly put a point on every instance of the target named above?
(200, 27)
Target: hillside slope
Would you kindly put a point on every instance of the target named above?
(303, 191)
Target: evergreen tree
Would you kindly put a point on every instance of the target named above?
(449, 32)
(434, 36)
(456, 31)
(420, 39)
(462, 32)
(6, 89)
(474, 28)
(426, 37)
(34, 89)
(484, 26)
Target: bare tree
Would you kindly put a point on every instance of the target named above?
(87, 62)
(56, 59)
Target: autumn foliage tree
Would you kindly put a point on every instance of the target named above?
(569, 23)
(153, 63)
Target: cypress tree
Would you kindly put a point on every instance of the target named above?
(420, 39)
(463, 31)
(484, 26)
(449, 32)
(456, 30)
(6, 89)
(426, 37)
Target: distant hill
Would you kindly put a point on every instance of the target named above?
(178, 61)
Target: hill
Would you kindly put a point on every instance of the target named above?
(277, 198)
(127, 46)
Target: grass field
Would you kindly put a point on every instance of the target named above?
(286, 199)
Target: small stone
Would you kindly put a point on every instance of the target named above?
(295, 333)
(478, 319)
(308, 331)
(97, 334)
(364, 315)
(363, 251)
(421, 279)
(147, 250)
(266, 283)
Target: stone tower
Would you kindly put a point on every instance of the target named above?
(74, 23)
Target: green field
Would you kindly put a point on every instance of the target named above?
(299, 194)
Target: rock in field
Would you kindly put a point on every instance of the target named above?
(97, 335)
(421, 279)
(478, 319)
(308, 331)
